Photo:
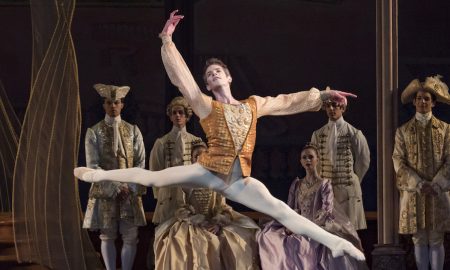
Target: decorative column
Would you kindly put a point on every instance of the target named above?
(387, 253)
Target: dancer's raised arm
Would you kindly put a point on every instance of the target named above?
(179, 73)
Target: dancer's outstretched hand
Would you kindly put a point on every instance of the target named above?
(171, 23)
(340, 97)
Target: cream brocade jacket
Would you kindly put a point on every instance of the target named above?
(104, 207)
(423, 154)
(352, 163)
(167, 152)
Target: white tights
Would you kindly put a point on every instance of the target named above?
(247, 191)
(108, 249)
(433, 255)
(437, 256)
(422, 257)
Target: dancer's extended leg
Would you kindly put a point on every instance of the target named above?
(252, 193)
(248, 191)
(188, 176)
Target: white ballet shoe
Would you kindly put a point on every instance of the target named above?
(346, 247)
(85, 174)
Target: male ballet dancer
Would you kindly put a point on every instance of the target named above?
(230, 126)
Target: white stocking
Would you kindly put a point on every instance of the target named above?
(422, 259)
(127, 256)
(187, 176)
(437, 256)
(108, 249)
(252, 193)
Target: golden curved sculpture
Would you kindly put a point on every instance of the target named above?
(46, 206)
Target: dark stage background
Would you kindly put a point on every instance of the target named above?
(271, 47)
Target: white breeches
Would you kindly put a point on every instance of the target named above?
(127, 229)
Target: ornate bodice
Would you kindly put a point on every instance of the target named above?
(239, 118)
(307, 197)
(200, 199)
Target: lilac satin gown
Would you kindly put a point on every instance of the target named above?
(283, 250)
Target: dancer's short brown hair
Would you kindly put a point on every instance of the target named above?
(214, 61)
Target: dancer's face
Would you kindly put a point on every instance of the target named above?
(423, 102)
(308, 159)
(216, 77)
(196, 153)
(334, 111)
(112, 107)
(178, 116)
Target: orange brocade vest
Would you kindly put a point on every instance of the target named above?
(221, 152)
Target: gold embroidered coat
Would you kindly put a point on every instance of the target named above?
(423, 154)
(104, 207)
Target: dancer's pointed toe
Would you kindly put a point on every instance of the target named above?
(84, 174)
(347, 248)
